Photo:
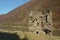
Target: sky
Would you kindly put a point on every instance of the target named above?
(8, 5)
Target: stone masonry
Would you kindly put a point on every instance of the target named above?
(40, 20)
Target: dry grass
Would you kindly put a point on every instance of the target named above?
(34, 36)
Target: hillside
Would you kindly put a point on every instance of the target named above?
(19, 16)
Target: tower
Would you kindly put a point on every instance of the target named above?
(47, 19)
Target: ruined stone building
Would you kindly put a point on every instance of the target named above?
(40, 20)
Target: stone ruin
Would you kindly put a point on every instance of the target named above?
(40, 21)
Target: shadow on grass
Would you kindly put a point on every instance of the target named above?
(9, 36)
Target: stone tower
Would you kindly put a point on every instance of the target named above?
(40, 20)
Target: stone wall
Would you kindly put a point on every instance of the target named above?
(40, 20)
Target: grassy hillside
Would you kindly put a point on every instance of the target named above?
(19, 16)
